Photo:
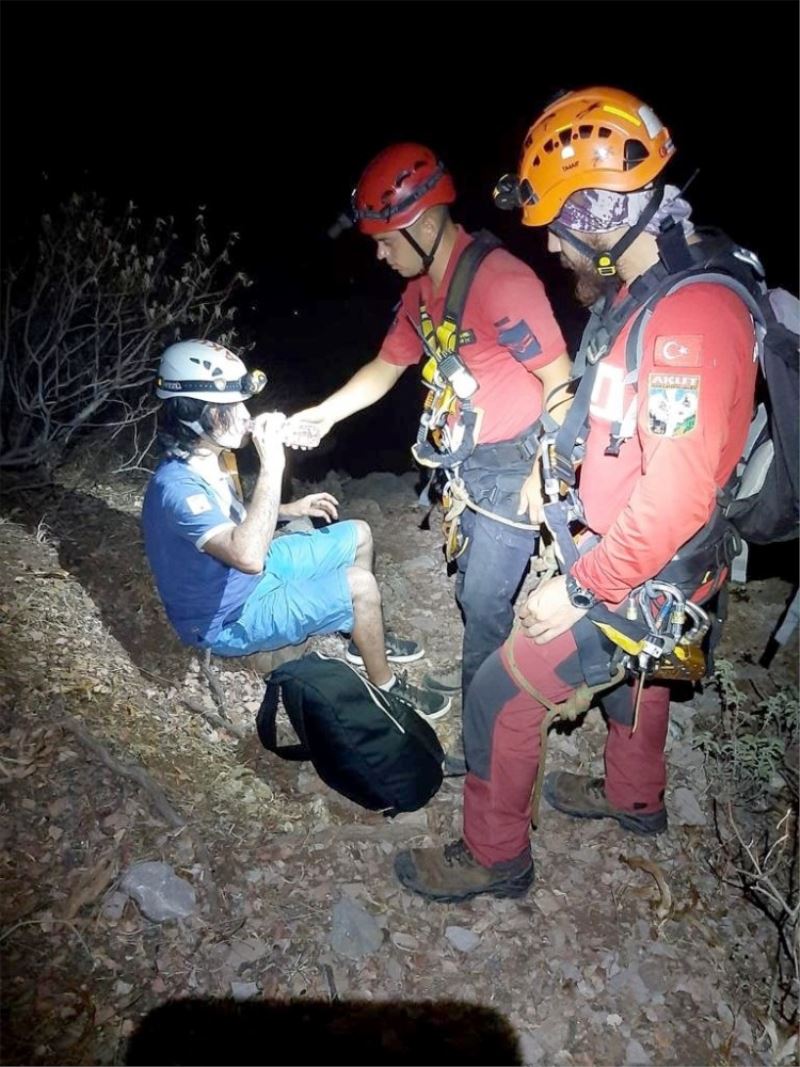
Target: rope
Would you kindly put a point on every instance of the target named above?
(568, 710)
(462, 497)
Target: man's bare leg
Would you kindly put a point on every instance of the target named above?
(368, 630)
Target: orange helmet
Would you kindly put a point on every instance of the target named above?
(595, 138)
(399, 184)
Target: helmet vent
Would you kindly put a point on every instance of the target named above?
(565, 136)
(585, 131)
(549, 146)
(634, 154)
(604, 131)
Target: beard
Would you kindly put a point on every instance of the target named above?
(589, 286)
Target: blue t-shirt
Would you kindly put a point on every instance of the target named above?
(180, 513)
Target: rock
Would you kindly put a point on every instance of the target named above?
(405, 942)
(244, 990)
(301, 525)
(395, 589)
(361, 508)
(354, 932)
(689, 759)
(246, 951)
(531, 1052)
(308, 782)
(652, 974)
(680, 719)
(266, 662)
(725, 1014)
(384, 487)
(635, 1054)
(685, 808)
(332, 483)
(629, 982)
(423, 562)
(415, 819)
(159, 892)
(462, 939)
(546, 902)
(114, 905)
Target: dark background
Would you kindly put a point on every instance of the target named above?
(266, 113)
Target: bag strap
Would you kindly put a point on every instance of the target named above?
(464, 274)
(268, 731)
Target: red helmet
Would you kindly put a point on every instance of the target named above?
(399, 184)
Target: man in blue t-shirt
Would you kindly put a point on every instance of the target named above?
(227, 584)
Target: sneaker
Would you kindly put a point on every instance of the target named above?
(427, 704)
(455, 762)
(398, 650)
(452, 873)
(585, 798)
(446, 681)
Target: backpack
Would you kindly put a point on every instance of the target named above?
(367, 744)
(763, 502)
(761, 499)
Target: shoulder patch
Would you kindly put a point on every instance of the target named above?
(520, 340)
(672, 404)
(684, 350)
(198, 503)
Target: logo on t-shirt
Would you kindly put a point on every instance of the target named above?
(672, 403)
(198, 503)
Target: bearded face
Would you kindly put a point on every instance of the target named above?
(589, 285)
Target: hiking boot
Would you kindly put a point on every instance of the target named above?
(446, 681)
(398, 650)
(452, 873)
(454, 766)
(585, 798)
(427, 704)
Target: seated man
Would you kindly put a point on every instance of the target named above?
(226, 582)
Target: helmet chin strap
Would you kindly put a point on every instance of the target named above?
(426, 257)
(605, 262)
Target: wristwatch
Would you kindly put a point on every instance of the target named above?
(578, 596)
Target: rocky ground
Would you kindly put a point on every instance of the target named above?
(112, 754)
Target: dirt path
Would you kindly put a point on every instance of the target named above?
(587, 969)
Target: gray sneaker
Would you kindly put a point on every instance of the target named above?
(427, 704)
(398, 650)
(447, 680)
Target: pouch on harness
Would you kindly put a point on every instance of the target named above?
(760, 503)
(449, 383)
(442, 447)
(367, 744)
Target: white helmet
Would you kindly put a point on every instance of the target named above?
(205, 370)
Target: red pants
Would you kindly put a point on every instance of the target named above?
(502, 742)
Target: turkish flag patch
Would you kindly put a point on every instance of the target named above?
(679, 351)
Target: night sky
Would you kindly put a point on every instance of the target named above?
(266, 114)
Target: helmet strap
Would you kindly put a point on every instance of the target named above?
(605, 262)
(426, 257)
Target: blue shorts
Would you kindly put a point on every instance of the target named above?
(303, 591)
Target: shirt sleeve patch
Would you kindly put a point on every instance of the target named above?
(198, 504)
(521, 341)
(685, 350)
(672, 404)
